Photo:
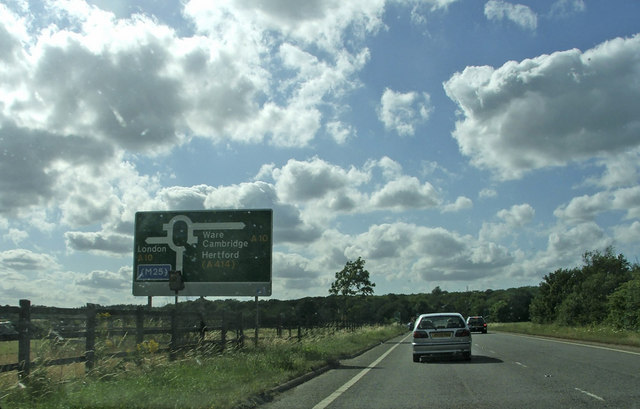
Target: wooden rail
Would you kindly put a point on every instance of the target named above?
(90, 316)
(93, 323)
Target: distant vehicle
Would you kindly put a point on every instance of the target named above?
(477, 323)
(441, 334)
(7, 330)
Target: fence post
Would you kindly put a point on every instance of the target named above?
(203, 326)
(223, 332)
(109, 326)
(173, 346)
(279, 329)
(240, 329)
(90, 337)
(24, 339)
(139, 325)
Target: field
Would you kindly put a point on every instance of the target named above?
(595, 333)
(200, 378)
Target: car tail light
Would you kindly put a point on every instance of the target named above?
(420, 334)
(463, 333)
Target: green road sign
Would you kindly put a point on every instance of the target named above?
(218, 252)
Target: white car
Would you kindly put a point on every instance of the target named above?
(441, 334)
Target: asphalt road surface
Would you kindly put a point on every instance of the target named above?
(506, 371)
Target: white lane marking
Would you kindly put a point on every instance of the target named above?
(521, 364)
(327, 401)
(575, 343)
(590, 394)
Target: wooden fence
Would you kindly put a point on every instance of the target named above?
(184, 329)
(176, 329)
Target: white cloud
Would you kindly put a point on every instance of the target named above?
(487, 193)
(448, 256)
(106, 280)
(310, 22)
(423, 7)
(461, 203)
(517, 215)
(402, 112)
(496, 232)
(16, 236)
(99, 243)
(26, 261)
(405, 192)
(565, 245)
(584, 208)
(402, 251)
(549, 110)
(391, 169)
(627, 233)
(628, 200)
(521, 15)
(513, 219)
(565, 8)
(340, 132)
(587, 208)
(146, 88)
(293, 272)
(315, 179)
(621, 169)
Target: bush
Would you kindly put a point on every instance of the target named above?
(624, 306)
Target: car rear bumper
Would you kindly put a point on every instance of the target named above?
(442, 348)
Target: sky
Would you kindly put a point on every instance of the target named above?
(461, 144)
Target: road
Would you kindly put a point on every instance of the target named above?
(506, 371)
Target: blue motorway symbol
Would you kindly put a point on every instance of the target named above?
(153, 272)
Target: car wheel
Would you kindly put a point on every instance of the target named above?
(416, 358)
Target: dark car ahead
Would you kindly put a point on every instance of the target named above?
(477, 324)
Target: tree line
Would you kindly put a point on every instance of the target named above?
(605, 290)
(508, 305)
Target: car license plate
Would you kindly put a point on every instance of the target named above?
(441, 335)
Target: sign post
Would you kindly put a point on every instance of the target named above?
(203, 253)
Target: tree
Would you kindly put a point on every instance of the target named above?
(624, 304)
(580, 296)
(353, 279)
(603, 274)
(500, 311)
(553, 291)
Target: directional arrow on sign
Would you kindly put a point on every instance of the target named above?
(191, 238)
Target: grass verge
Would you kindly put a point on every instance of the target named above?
(597, 333)
(200, 379)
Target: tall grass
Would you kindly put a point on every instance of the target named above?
(201, 378)
(595, 333)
